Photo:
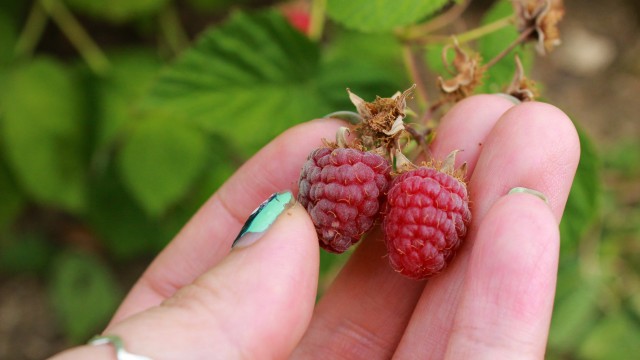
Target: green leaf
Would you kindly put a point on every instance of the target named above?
(615, 337)
(584, 203)
(41, 132)
(117, 11)
(368, 64)
(120, 223)
(624, 158)
(575, 309)
(433, 58)
(28, 252)
(247, 80)
(11, 199)
(501, 74)
(330, 266)
(131, 74)
(381, 15)
(220, 167)
(255, 76)
(8, 37)
(84, 294)
(160, 160)
(135, 233)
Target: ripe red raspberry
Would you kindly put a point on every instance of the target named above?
(343, 190)
(425, 218)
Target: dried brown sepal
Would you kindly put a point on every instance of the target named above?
(329, 144)
(521, 87)
(401, 163)
(467, 70)
(543, 17)
(382, 119)
(342, 136)
(447, 166)
(342, 142)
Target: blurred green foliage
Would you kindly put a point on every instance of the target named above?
(101, 165)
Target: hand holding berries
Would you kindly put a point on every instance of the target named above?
(346, 187)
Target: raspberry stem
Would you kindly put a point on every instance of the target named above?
(417, 71)
(522, 38)
(32, 31)
(77, 35)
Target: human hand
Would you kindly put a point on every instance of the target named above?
(198, 300)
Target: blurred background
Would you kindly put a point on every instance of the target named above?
(119, 118)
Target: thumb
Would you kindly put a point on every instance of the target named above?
(255, 304)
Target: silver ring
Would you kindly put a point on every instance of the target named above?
(121, 353)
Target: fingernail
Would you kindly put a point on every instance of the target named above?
(511, 98)
(262, 218)
(519, 190)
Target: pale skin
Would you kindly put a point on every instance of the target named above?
(199, 300)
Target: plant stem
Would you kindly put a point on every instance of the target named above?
(438, 22)
(32, 32)
(415, 66)
(485, 29)
(78, 36)
(172, 30)
(469, 35)
(523, 36)
(318, 13)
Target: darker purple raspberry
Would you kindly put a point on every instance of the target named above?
(343, 189)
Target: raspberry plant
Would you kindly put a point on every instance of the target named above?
(118, 119)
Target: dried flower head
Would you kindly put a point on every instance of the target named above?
(382, 119)
(466, 70)
(540, 18)
(522, 87)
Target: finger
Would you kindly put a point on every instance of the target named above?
(207, 238)
(505, 308)
(362, 314)
(466, 126)
(532, 145)
(255, 304)
(365, 311)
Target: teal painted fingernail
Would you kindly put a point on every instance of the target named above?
(524, 190)
(262, 218)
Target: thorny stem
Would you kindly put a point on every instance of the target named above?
(32, 31)
(80, 39)
(523, 36)
(318, 13)
(415, 65)
(172, 29)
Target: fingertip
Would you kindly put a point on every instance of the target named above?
(466, 126)
(507, 299)
(516, 252)
(533, 145)
(549, 122)
(275, 281)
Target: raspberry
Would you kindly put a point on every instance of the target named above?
(343, 190)
(426, 216)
